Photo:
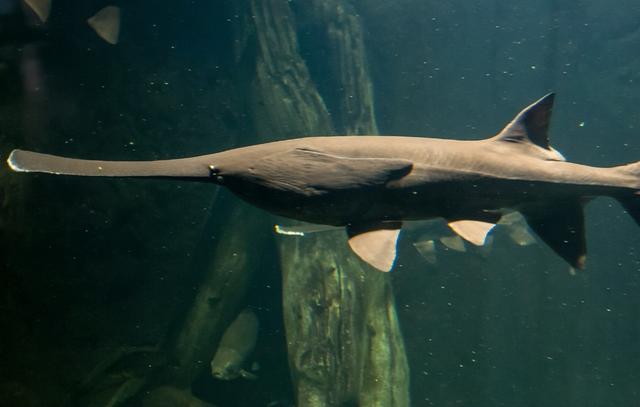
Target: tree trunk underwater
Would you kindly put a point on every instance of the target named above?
(344, 341)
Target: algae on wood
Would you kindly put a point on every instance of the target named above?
(283, 99)
(344, 341)
(341, 29)
(343, 335)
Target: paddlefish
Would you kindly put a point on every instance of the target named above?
(371, 184)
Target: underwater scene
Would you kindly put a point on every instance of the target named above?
(172, 235)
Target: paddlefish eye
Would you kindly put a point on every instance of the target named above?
(214, 173)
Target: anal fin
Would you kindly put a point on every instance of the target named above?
(375, 243)
(561, 227)
(473, 231)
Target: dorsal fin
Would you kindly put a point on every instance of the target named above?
(531, 124)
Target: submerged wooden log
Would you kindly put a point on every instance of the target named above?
(344, 341)
(283, 99)
(343, 335)
(220, 296)
(346, 62)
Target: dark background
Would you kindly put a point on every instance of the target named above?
(89, 266)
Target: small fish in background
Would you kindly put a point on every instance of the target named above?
(236, 346)
(17, 29)
(41, 8)
(106, 22)
(512, 223)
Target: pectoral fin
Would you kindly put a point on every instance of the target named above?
(304, 229)
(376, 243)
(473, 231)
(562, 228)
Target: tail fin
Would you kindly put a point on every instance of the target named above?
(561, 227)
(631, 201)
(28, 161)
(632, 205)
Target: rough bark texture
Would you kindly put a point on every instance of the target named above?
(342, 331)
(340, 29)
(344, 341)
(93, 270)
(284, 101)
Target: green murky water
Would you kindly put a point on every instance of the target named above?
(117, 292)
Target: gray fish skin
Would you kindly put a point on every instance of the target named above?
(235, 347)
(363, 181)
